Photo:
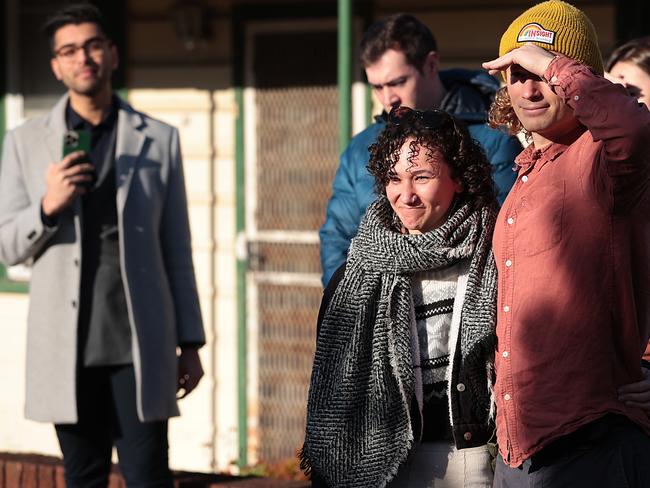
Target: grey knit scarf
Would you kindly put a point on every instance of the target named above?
(362, 386)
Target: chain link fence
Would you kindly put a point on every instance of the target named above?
(296, 158)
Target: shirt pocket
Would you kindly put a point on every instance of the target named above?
(540, 215)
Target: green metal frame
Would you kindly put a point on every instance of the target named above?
(242, 335)
(8, 286)
(344, 72)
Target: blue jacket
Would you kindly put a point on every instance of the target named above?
(469, 94)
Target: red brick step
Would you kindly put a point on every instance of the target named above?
(38, 471)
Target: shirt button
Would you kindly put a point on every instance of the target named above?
(510, 221)
(460, 387)
(524, 178)
(554, 79)
(506, 397)
(576, 98)
(74, 303)
(76, 262)
(505, 355)
(506, 308)
(467, 436)
(508, 263)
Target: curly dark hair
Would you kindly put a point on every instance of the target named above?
(465, 158)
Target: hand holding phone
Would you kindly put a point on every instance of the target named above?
(75, 141)
(72, 176)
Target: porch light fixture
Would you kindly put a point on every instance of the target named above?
(190, 20)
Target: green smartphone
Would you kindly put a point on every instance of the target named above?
(76, 140)
(79, 140)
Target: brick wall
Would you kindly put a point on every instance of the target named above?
(36, 471)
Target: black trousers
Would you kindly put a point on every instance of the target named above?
(106, 404)
(610, 452)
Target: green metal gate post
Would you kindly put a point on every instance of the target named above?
(344, 71)
(242, 336)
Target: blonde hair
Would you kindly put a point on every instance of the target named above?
(502, 115)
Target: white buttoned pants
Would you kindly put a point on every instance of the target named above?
(441, 465)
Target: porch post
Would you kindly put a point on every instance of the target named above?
(344, 71)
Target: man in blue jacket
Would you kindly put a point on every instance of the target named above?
(401, 61)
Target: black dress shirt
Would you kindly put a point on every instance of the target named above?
(104, 330)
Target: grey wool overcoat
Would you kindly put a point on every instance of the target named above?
(155, 260)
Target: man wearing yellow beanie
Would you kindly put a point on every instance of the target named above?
(574, 262)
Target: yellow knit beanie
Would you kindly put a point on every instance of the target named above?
(559, 27)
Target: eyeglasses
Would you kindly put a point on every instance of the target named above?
(431, 119)
(92, 47)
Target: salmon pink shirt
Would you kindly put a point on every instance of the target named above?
(572, 244)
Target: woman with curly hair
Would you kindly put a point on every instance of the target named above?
(400, 389)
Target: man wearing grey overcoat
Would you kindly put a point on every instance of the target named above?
(113, 295)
